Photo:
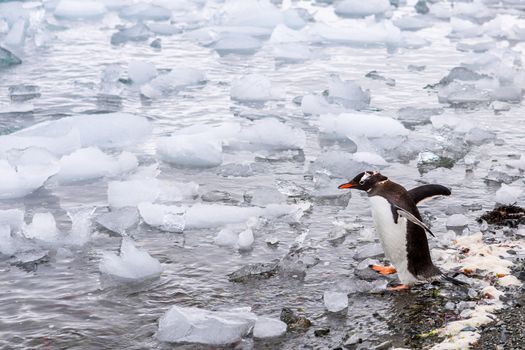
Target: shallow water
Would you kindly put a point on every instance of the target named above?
(63, 303)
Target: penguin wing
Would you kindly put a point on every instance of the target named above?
(427, 191)
(410, 217)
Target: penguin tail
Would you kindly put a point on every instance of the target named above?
(454, 281)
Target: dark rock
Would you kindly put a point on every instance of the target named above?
(258, 271)
(321, 332)
(295, 323)
(505, 215)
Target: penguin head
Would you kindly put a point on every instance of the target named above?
(365, 181)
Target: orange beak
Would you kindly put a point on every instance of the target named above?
(346, 185)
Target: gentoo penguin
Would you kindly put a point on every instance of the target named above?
(398, 223)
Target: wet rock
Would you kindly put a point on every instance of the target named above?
(295, 322)
(427, 161)
(257, 271)
(505, 215)
(323, 332)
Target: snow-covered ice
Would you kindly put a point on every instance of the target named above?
(77, 9)
(253, 87)
(132, 264)
(141, 72)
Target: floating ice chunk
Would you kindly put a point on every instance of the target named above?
(141, 72)
(268, 328)
(361, 124)
(410, 116)
(347, 93)
(177, 79)
(190, 151)
(163, 29)
(335, 301)
(7, 58)
(165, 217)
(132, 264)
(8, 245)
(133, 192)
(137, 32)
(91, 163)
(79, 9)
(412, 23)
(23, 92)
(144, 12)
(42, 227)
(457, 220)
(338, 164)
(17, 183)
(315, 105)
(17, 34)
(226, 238)
(80, 227)
(358, 8)
(119, 220)
(12, 218)
(361, 34)
(477, 136)
(12, 11)
(264, 196)
(452, 122)
(251, 13)
(246, 239)
(253, 87)
(369, 158)
(284, 35)
(269, 133)
(237, 44)
(296, 18)
(507, 194)
(101, 130)
(193, 325)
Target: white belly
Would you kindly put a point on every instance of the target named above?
(392, 236)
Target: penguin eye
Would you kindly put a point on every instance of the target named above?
(362, 182)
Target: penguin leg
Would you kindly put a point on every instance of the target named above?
(399, 288)
(383, 270)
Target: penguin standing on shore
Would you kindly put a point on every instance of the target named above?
(401, 231)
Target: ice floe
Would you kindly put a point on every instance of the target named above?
(132, 264)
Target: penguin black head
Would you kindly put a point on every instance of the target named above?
(365, 181)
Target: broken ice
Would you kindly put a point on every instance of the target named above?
(335, 301)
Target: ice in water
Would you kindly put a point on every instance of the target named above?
(165, 217)
(22, 92)
(357, 8)
(253, 87)
(266, 327)
(177, 79)
(144, 12)
(17, 183)
(79, 9)
(132, 264)
(131, 193)
(17, 34)
(194, 325)
(7, 58)
(246, 239)
(195, 151)
(119, 220)
(457, 220)
(42, 227)
(91, 163)
(507, 194)
(240, 44)
(141, 72)
(347, 93)
(137, 32)
(335, 301)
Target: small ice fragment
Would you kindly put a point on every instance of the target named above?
(457, 220)
(358, 8)
(22, 92)
(132, 192)
(193, 325)
(80, 227)
(226, 238)
(264, 196)
(268, 328)
(42, 227)
(168, 218)
(246, 240)
(16, 36)
(76, 9)
(119, 220)
(177, 79)
(7, 58)
(138, 32)
(132, 264)
(347, 93)
(253, 87)
(141, 72)
(239, 44)
(144, 12)
(507, 194)
(335, 301)
(194, 151)
(271, 134)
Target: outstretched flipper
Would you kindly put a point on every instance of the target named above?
(404, 213)
(428, 191)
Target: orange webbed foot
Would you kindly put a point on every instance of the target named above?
(383, 270)
(399, 288)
